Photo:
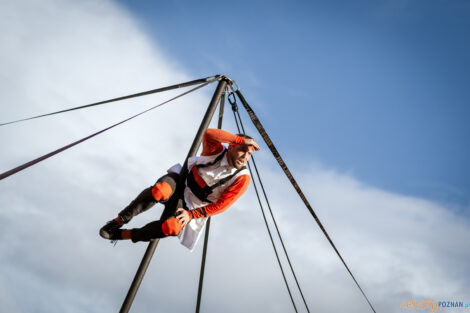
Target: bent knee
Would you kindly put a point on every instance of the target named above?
(162, 191)
(171, 227)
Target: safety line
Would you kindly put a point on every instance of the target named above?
(267, 226)
(289, 175)
(46, 156)
(144, 93)
(274, 220)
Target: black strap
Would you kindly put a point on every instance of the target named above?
(46, 156)
(144, 93)
(277, 156)
(217, 159)
(226, 179)
(203, 192)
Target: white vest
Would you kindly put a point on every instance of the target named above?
(211, 175)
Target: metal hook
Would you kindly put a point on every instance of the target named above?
(233, 101)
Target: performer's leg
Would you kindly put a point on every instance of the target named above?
(160, 192)
(167, 226)
(153, 230)
(141, 203)
(158, 229)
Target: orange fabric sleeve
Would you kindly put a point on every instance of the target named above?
(213, 139)
(226, 199)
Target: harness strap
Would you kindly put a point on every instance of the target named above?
(199, 187)
(226, 179)
(217, 159)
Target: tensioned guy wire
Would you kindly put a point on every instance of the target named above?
(267, 226)
(144, 93)
(277, 156)
(46, 156)
(272, 216)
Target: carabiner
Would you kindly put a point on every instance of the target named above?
(233, 101)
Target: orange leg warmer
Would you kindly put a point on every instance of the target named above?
(162, 191)
(171, 227)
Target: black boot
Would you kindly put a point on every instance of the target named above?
(111, 230)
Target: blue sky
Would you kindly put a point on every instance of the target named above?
(376, 88)
(365, 102)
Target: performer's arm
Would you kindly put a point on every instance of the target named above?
(228, 197)
(213, 139)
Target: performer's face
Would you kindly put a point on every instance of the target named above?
(238, 155)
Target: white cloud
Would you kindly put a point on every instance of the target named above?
(58, 54)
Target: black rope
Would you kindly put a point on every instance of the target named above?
(144, 93)
(46, 156)
(286, 170)
(267, 226)
(274, 220)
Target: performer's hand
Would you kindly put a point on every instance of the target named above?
(183, 216)
(251, 142)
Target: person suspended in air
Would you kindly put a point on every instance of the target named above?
(215, 180)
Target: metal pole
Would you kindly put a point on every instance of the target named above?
(221, 111)
(208, 223)
(153, 243)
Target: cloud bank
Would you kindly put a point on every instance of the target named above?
(58, 54)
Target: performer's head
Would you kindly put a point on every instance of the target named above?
(239, 154)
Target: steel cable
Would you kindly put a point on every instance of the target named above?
(274, 220)
(289, 175)
(144, 93)
(46, 156)
(267, 227)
